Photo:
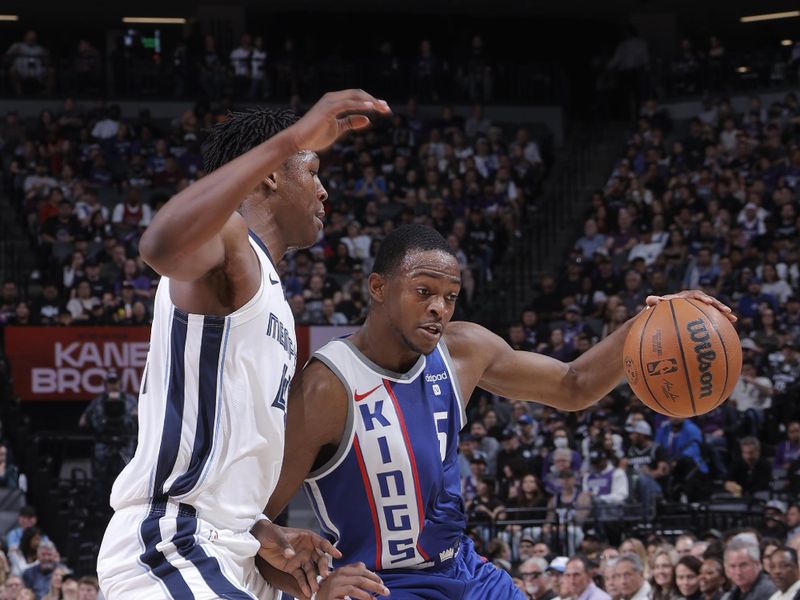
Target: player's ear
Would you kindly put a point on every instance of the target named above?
(270, 182)
(377, 287)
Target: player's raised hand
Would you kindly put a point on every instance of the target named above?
(301, 553)
(352, 581)
(334, 114)
(695, 295)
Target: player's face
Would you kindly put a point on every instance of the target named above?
(421, 297)
(301, 212)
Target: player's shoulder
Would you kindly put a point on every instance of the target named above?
(318, 381)
(317, 406)
(318, 401)
(463, 338)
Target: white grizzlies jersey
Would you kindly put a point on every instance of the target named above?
(212, 406)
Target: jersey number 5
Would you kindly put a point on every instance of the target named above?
(440, 418)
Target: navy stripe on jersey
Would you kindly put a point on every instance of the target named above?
(261, 245)
(155, 560)
(173, 415)
(208, 566)
(209, 379)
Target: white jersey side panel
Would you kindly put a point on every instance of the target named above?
(212, 406)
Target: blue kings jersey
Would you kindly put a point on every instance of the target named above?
(391, 495)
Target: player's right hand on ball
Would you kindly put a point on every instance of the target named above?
(333, 115)
(352, 581)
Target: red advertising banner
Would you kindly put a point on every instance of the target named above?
(69, 363)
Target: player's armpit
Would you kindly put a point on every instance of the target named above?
(315, 418)
(191, 261)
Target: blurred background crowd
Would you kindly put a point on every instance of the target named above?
(659, 171)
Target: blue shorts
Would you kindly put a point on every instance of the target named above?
(467, 577)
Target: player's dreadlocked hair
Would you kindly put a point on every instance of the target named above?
(403, 240)
(243, 131)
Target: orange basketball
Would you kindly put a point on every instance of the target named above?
(682, 357)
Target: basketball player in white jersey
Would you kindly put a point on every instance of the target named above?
(212, 405)
(373, 422)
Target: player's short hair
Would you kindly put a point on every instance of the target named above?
(241, 132)
(406, 238)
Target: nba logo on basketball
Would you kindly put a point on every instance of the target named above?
(662, 367)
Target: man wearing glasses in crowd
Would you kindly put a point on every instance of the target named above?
(537, 583)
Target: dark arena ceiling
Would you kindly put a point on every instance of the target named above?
(87, 11)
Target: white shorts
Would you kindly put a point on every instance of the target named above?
(165, 552)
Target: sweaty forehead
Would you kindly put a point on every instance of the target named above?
(420, 262)
(304, 158)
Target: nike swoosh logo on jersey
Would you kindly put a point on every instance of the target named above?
(276, 282)
(360, 397)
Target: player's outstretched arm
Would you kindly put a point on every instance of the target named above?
(521, 375)
(185, 241)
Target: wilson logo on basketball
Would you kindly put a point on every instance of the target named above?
(662, 367)
(704, 354)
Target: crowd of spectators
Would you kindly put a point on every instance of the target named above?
(141, 63)
(712, 66)
(31, 567)
(709, 205)
(86, 183)
(149, 63)
(713, 566)
(712, 207)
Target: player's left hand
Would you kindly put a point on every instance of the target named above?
(301, 553)
(695, 295)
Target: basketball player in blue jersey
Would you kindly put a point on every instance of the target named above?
(373, 422)
(188, 516)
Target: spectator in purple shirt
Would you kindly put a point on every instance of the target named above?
(789, 449)
(750, 303)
